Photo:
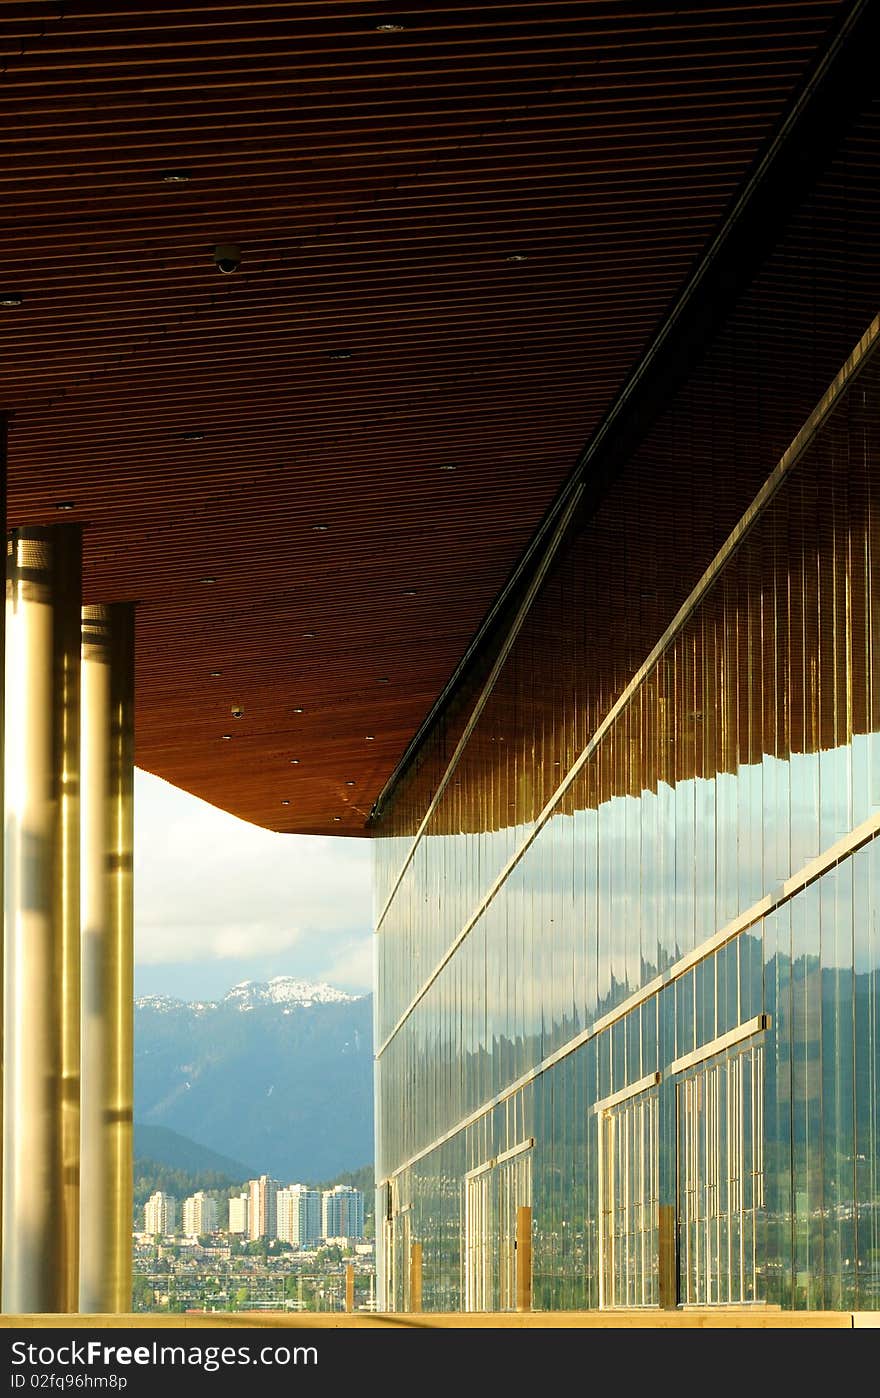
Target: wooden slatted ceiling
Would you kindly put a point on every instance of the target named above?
(456, 237)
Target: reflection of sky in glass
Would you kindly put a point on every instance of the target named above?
(622, 892)
(746, 751)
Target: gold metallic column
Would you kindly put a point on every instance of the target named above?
(415, 1277)
(41, 921)
(524, 1258)
(668, 1260)
(107, 957)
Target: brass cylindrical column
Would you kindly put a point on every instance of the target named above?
(41, 921)
(107, 957)
(524, 1258)
(415, 1277)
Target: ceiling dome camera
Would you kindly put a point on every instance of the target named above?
(227, 257)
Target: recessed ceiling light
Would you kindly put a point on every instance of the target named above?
(192, 436)
(409, 592)
(383, 679)
(176, 176)
(294, 762)
(339, 354)
(388, 28)
(308, 635)
(448, 466)
(65, 504)
(349, 783)
(227, 737)
(337, 817)
(207, 580)
(297, 711)
(10, 298)
(320, 528)
(285, 803)
(370, 738)
(517, 257)
(215, 674)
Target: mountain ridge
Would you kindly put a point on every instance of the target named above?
(286, 1086)
(284, 990)
(162, 1146)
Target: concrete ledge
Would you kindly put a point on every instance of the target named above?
(708, 1318)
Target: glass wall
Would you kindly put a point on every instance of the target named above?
(631, 931)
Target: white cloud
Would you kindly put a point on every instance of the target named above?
(169, 942)
(352, 964)
(210, 887)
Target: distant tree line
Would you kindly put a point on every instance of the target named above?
(150, 1175)
(363, 1179)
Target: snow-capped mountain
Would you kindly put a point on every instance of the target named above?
(159, 1003)
(286, 1086)
(285, 990)
(280, 990)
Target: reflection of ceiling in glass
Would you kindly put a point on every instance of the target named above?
(631, 563)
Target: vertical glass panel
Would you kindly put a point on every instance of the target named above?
(603, 1059)
(619, 1072)
(634, 1064)
(751, 973)
(685, 1015)
(705, 996)
(727, 977)
(649, 1036)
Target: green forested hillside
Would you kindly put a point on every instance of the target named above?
(286, 1090)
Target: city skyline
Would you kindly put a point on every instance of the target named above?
(264, 1208)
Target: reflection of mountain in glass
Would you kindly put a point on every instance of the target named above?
(675, 829)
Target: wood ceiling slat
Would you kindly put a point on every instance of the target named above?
(377, 183)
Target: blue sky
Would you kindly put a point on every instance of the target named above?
(219, 901)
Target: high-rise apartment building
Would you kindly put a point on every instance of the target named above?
(199, 1214)
(238, 1212)
(262, 1207)
(342, 1212)
(299, 1215)
(160, 1214)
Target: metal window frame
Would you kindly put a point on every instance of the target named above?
(494, 1160)
(743, 1031)
(643, 1085)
